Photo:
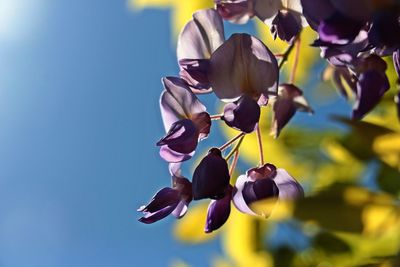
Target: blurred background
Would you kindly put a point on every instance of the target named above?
(79, 118)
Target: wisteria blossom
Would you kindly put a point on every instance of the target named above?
(262, 183)
(185, 120)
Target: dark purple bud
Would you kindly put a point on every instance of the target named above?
(371, 86)
(243, 114)
(396, 61)
(286, 25)
(259, 190)
(162, 204)
(211, 176)
(181, 139)
(218, 211)
(194, 72)
(385, 29)
(203, 124)
(317, 10)
(339, 29)
(290, 99)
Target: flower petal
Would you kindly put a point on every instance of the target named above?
(243, 65)
(371, 86)
(238, 199)
(178, 102)
(235, 11)
(243, 115)
(396, 61)
(218, 212)
(194, 72)
(172, 156)
(201, 36)
(182, 137)
(286, 25)
(211, 176)
(288, 187)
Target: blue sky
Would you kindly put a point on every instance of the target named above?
(79, 117)
(79, 89)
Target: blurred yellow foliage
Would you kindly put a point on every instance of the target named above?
(181, 10)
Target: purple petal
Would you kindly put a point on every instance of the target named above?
(266, 171)
(339, 29)
(211, 176)
(396, 61)
(286, 25)
(290, 99)
(172, 156)
(267, 9)
(385, 29)
(238, 199)
(243, 115)
(218, 212)
(371, 86)
(178, 102)
(397, 101)
(182, 137)
(151, 217)
(243, 65)
(194, 72)
(235, 11)
(317, 10)
(259, 190)
(203, 124)
(161, 205)
(163, 198)
(180, 209)
(288, 187)
(201, 36)
(355, 9)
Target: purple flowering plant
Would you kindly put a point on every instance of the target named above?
(242, 72)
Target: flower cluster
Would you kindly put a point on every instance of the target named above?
(242, 72)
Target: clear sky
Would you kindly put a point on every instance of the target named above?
(79, 117)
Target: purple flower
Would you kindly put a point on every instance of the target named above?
(218, 211)
(337, 21)
(243, 65)
(262, 183)
(384, 34)
(200, 37)
(286, 25)
(290, 99)
(168, 200)
(185, 120)
(243, 114)
(372, 84)
(211, 176)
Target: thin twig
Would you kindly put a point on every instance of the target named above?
(286, 54)
(230, 142)
(234, 162)
(296, 60)
(232, 152)
(260, 145)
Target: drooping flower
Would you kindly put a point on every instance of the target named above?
(384, 34)
(168, 200)
(218, 211)
(200, 37)
(286, 25)
(243, 114)
(211, 176)
(372, 84)
(289, 100)
(264, 183)
(243, 65)
(185, 120)
(337, 21)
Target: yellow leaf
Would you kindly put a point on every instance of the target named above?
(190, 229)
(181, 10)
